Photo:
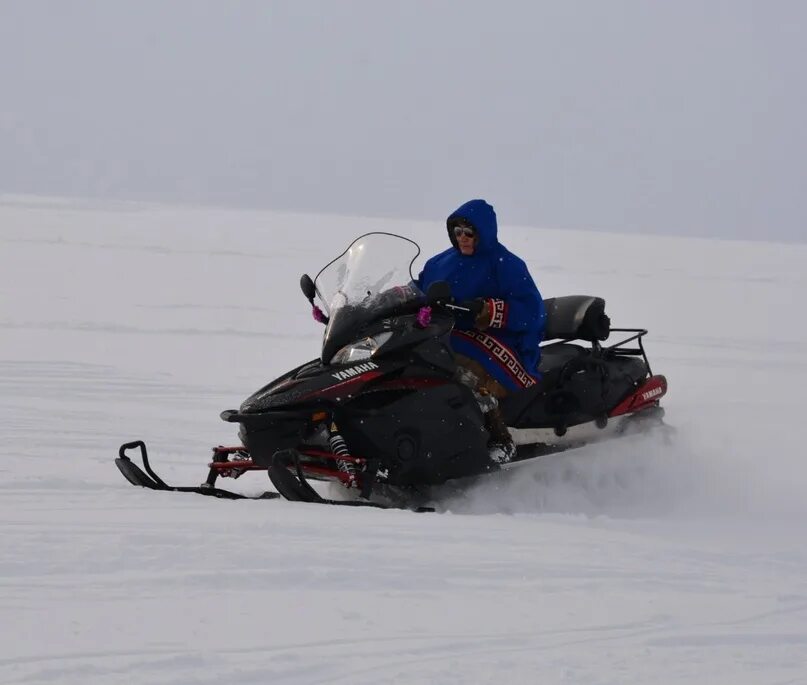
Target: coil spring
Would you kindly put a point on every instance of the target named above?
(339, 448)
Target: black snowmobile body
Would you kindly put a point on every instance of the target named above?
(403, 408)
(382, 410)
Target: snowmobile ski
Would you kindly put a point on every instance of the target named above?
(291, 486)
(150, 480)
(294, 486)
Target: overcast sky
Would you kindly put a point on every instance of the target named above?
(684, 117)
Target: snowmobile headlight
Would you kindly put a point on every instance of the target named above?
(361, 349)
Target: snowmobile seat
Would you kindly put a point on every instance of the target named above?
(576, 317)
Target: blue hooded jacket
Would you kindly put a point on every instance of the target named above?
(494, 273)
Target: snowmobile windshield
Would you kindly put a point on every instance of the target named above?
(369, 281)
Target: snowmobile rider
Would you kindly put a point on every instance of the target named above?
(496, 344)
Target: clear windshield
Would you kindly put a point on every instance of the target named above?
(374, 263)
(371, 277)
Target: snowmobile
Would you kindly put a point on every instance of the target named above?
(383, 411)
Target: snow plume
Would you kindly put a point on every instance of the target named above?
(692, 471)
(633, 477)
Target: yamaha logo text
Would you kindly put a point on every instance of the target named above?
(354, 371)
(650, 394)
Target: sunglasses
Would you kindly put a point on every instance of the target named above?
(464, 230)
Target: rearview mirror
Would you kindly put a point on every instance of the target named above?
(308, 288)
(438, 292)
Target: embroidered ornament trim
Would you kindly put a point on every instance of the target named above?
(502, 355)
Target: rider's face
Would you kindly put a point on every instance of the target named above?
(466, 239)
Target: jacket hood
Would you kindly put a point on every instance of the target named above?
(481, 216)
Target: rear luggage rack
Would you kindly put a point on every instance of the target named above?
(617, 349)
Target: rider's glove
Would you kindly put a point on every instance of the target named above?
(481, 309)
(475, 306)
(482, 320)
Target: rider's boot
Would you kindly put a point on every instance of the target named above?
(501, 448)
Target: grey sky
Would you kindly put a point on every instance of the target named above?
(667, 117)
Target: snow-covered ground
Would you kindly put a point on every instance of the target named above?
(635, 562)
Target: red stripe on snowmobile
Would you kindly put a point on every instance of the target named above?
(339, 387)
(410, 383)
(646, 396)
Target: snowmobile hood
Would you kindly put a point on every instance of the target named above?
(482, 217)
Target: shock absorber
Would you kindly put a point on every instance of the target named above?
(339, 448)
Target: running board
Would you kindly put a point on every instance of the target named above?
(584, 433)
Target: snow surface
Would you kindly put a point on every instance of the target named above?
(635, 562)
